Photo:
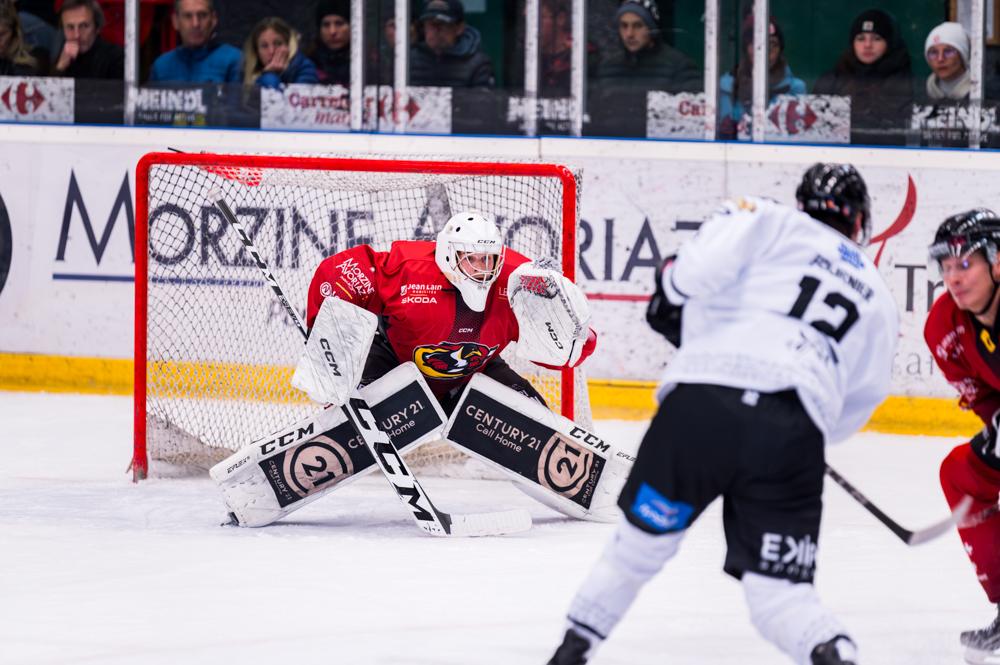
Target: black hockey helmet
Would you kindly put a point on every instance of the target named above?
(835, 194)
(965, 233)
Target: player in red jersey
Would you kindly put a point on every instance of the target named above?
(962, 334)
(444, 305)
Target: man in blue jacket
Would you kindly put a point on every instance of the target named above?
(200, 57)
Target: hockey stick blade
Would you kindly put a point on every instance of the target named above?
(908, 536)
(428, 518)
(490, 524)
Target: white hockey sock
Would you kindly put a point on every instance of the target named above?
(789, 615)
(629, 560)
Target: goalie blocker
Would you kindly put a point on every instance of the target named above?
(551, 458)
(298, 464)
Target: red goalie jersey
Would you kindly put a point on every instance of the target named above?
(422, 315)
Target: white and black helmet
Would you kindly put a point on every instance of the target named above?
(836, 195)
(470, 233)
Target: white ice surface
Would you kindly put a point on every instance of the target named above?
(95, 569)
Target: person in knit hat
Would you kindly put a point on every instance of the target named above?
(736, 87)
(332, 49)
(643, 59)
(947, 52)
(874, 71)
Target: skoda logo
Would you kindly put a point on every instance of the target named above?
(6, 241)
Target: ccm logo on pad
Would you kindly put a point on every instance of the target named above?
(553, 335)
(328, 355)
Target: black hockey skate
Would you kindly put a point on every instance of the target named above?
(838, 651)
(574, 650)
(983, 646)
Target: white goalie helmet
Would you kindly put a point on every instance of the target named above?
(470, 253)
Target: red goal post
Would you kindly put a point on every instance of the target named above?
(212, 357)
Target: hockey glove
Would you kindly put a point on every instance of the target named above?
(553, 316)
(985, 442)
(663, 316)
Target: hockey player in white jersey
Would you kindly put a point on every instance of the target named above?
(785, 343)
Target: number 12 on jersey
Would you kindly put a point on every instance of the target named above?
(836, 301)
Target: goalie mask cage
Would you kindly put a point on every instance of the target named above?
(214, 349)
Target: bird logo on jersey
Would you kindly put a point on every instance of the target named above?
(451, 360)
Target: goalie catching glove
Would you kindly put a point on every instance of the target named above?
(552, 315)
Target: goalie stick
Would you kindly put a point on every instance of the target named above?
(428, 518)
(908, 536)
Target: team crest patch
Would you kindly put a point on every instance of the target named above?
(451, 360)
(658, 512)
(850, 255)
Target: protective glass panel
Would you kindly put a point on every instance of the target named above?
(860, 77)
(465, 68)
(644, 69)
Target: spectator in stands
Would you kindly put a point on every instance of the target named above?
(874, 71)
(15, 58)
(84, 54)
(382, 55)
(237, 18)
(556, 46)
(332, 49)
(736, 87)
(39, 35)
(947, 52)
(643, 58)
(271, 56)
(200, 57)
(450, 53)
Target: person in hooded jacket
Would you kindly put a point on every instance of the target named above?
(874, 71)
(271, 56)
(450, 54)
(736, 87)
(332, 49)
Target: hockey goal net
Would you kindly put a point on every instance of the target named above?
(214, 349)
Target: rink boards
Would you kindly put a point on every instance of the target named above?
(66, 290)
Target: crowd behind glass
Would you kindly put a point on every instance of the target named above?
(895, 74)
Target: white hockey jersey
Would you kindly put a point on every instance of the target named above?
(775, 300)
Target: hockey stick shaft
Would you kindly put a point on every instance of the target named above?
(908, 536)
(395, 470)
(980, 517)
(230, 217)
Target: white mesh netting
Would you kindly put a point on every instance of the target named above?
(220, 349)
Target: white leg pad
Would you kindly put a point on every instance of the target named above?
(789, 615)
(631, 559)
